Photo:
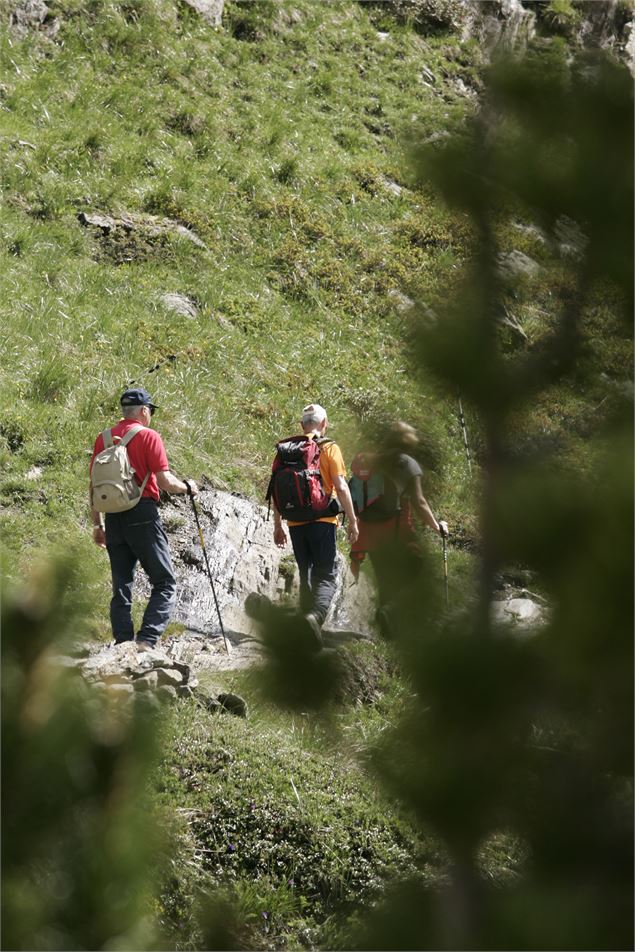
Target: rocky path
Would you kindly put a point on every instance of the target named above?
(244, 562)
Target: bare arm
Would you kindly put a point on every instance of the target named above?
(99, 533)
(279, 535)
(421, 507)
(172, 484)
(344, 495)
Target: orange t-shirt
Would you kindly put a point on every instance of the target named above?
(331, 465)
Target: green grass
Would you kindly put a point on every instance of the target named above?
(276, 140)
(275, 813)
(281, 172)
(280, 815)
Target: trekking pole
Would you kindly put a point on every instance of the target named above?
(445, 568)
(209, 571)
(465, 442)
(157, 366)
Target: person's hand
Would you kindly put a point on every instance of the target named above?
(99, 536)
(352, 532)
(280, 537)
(443, 529)
(192, 488)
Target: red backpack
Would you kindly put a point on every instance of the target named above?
(296, 484)
(376, 497)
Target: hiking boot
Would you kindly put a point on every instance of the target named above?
(144, 646)
(314, 631)
(258, 606)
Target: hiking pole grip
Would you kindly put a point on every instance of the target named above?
(198, 524)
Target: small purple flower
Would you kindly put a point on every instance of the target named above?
(265, 915)
(291, 882)
(231, 848)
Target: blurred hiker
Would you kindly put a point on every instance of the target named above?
(128, 467)
(308, 489)
(387, 494)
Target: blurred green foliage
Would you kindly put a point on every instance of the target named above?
(77, 838)
(533, 734)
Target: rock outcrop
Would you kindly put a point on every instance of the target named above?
(180, 304)
(210, 10)
(131, 237)
(149, 677)
(28, 15)
(498, 23)
(243, 560)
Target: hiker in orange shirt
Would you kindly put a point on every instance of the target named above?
(308, 488)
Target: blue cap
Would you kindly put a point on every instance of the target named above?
(137, 398)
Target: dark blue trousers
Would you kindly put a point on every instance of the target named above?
(314, 550)
(138, 536)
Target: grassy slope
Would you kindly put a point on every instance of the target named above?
(276, 811)
(275, 148)
(272, 149)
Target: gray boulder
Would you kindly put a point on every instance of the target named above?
(147, 682)
(210, 10)
(243, 559)
(28, 15)
(520, 613)
(180, 304)
(172, 677)
(516, 264)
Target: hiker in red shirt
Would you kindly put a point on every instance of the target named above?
(137, 534)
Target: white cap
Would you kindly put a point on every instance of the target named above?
(313, 413)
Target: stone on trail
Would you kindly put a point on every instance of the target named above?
(147, 682)
(522, 613)
(173, 678)
(243, 561)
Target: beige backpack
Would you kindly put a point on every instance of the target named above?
(113, 487)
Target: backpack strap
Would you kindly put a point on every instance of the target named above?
(129, 435)
(124, 442)
(107, 438)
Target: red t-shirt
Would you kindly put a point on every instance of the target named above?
(145, 451)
